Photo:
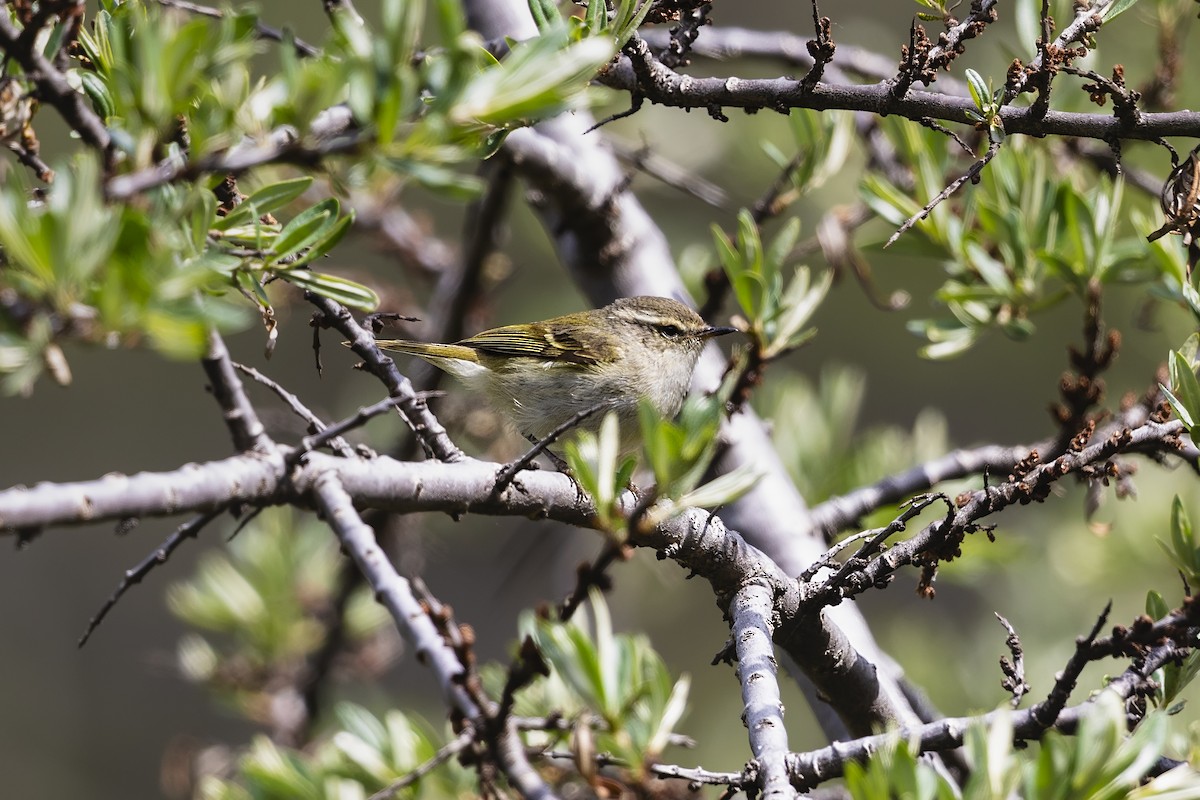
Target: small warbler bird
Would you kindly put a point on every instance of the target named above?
(541, 374)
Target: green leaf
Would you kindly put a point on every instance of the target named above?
(545, 14)
(535, 79)
(327, 241)
(1180, 410)
(978, 88)
(1190, 347)
(305, 228)
(724, 489)
(1156, 606)
(784, 242)
(97, 91)
(596, 18)
(1116, 9)
(1185, 386)
(343, 291)
(265, 201)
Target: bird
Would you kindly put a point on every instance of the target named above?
(542, 375)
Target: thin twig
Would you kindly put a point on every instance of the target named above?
(134, 576)
(240, 417)
(1014, 671)
(444, 754)
(413, 408)
(506, 476)
(338, 444)
(359, 418)
(971, 174)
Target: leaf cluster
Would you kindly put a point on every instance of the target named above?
(1024, 239)
(1101, 762)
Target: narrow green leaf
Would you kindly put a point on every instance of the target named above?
(1179, 408)
(344, 291)
(978, 88)
(724, 489)
(306, 228)
(1116, 9)
(596, 18)
(545, 14)
(327, 241)
(783, 243)
(1156, 606)
(1185, 385)
(265, 201)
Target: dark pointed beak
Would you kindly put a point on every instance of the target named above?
(709, 333)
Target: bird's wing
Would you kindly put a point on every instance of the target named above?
(534, 341)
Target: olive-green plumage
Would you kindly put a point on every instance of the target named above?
(541, 374)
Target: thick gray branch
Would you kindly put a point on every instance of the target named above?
(670, 88)
(752, 610)
(394, 593)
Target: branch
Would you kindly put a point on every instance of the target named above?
(669, 88)
(240, 417)
(729, 43)
(696, 539)
(135, 575)
(841, 512)
(332, 133)
(763, 715)
(922, 65)
(393, 592)
(424, 424)
(972, 174)
(1031, 482)
(809, 769)
(315, 425)
(54, 88)
(1088, 19)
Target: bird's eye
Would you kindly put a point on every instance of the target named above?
(669, 330)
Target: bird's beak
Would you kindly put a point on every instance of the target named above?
(709, 333)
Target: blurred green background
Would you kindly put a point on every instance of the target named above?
(98, 722)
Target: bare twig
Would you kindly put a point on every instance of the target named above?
(821, 49)
(972, 174)
(811, 768)
(315, 425)
(332, 134)
(1014, 671)
(240, 416)
(922, 60)
(134, 575)
(416, 413)
(446, 752)
(505, 478)
(669, 88)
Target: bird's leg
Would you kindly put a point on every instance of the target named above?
(543, 449)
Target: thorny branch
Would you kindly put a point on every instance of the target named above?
(817, 766)
(658, 84)
(920, 59)
(1030, 482)
(395, 593)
